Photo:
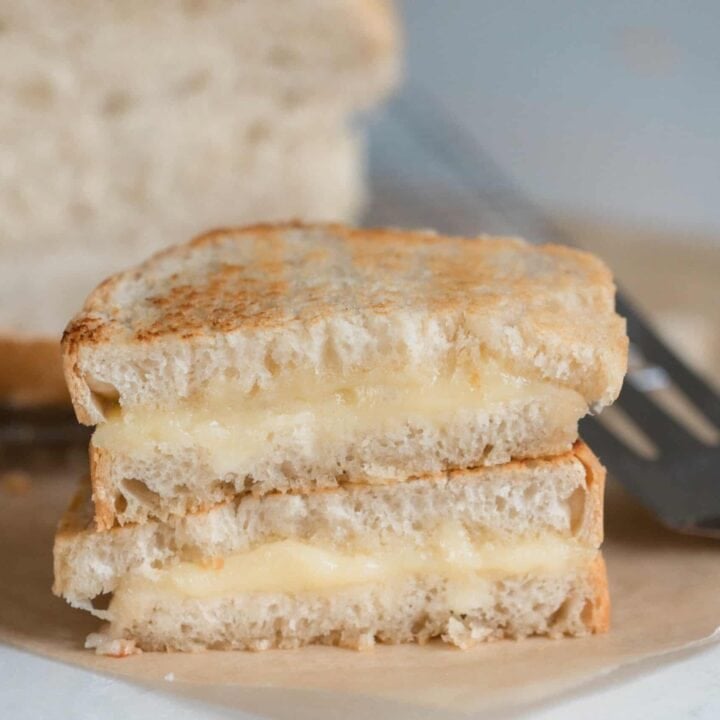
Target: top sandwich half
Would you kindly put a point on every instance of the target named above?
(278, 355)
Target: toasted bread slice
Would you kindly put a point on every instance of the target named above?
(525, 532)
(285, 357)
(254, 306)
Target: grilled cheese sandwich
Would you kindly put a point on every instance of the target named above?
(312, 433)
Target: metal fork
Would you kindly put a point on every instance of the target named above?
(681, 484)
(32, 437)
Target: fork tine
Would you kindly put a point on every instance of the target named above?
(661, 428)
(41, 426)
(705, 398)
(603, 442)
(622, 462)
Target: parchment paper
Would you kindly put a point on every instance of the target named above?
(665, 592)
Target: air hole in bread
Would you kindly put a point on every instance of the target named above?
(270, 365)
(576, 505)
(140, 492)
(101, 602)
(120, 504)
(500, 503)
(288, 470)
(105, 396)
(419, 624)
(588, 612)
(227, 486)
(560, 615)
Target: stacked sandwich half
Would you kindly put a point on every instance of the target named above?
(320, 434)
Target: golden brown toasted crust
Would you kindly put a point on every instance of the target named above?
(31, 372)
(232, 296)
(595, 479)
(104, 511)
(596, 613)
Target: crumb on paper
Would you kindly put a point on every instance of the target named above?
(114, 647)
(170, 677)
(16, 482)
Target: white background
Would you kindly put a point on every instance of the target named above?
(597, 108)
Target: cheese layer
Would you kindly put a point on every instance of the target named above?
(293, 566)
(234, 428)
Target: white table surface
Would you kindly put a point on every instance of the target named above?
(33, 688)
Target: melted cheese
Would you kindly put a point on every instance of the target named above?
(233, 427)
(293, 566)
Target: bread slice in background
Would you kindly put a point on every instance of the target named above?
(291, 356)
(276, 177)
(561, 589)
(127, 125)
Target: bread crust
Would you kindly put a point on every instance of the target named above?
(596, 475)
(102, 501)
(596, 614)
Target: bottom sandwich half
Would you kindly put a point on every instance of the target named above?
(471, 555)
